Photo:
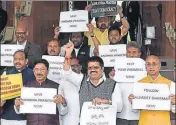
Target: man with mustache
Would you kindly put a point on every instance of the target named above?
(32, 50)
(9, 117)
(151, 117)
(71, 94)
(127, 116)
(103, 23)
(54, 48)
(94, 87)
(41, 71)
(82, 50)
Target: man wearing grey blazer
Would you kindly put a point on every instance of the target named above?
(32, 50)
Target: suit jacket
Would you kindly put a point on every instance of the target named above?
(3, 19)
(33, 52)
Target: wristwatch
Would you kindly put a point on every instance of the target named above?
(92, 35)
(110, 102)
(122, 17)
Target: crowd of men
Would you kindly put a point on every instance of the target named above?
(85, 77)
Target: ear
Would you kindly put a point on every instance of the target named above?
(139, 54)
(27, 61)
(80, 66)
(27, 33)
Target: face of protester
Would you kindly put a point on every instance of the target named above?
(103, 23)
(77, 39)
(40, 72)
(114, 36)
(95, 71)
(133, 52)
(152, 65)
(75, 66)
(19, 61)
(53, 48)
(21, 34)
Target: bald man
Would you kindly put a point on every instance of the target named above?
(32, 50)
(149, 117)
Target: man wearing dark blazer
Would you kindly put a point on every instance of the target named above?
(3, 17)
(32, 50)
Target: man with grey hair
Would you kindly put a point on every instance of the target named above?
(127, 116)
(133, 50)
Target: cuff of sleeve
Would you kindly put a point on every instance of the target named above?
(173, 108)
(16, 110)
(67, 72)
(65, 104)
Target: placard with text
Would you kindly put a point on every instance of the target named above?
(38, 100)
(129, 70)
(7, 52)
(151, 96)
(73, 21)
(109, 53)
(103, 114)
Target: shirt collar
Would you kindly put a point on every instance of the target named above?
(103, 78)
(154, 79)
(24, 44)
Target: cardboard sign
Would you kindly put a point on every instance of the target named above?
(38, 100)
(55, 67)
(7, 52)
(98, 115)
(74, 21)
(151, 96)
(129, 70)
(109, 53)
(104, 8)
(11, 86)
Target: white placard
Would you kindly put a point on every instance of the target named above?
(98, 115)
(110, 52)
(151, 96)
(38, 100)
(55, 67)
(73, 21)
(129, 70)
(7, 52)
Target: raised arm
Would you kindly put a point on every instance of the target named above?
(56, 32)
(69, 75)
(125, 23)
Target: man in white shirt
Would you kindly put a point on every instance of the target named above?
(71, 94)
(127, 117)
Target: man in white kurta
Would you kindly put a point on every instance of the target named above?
(71, 94)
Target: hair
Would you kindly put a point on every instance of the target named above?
(76, 59)
(21, 51)
(133, 44)
(43, 61)
(96, 59)
(114, 27)
(82, 34)
(54, 39)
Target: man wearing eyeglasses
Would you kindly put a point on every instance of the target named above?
(33, 51)
(94, 87)
(41, 71)
(149, 117)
